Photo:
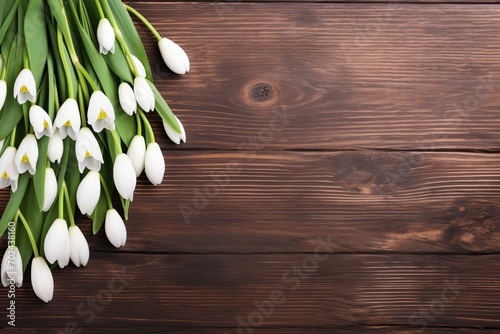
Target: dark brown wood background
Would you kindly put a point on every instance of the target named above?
(372, 206)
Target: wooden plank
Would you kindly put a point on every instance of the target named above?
(356, 76)
(323, 291)
(284, 201)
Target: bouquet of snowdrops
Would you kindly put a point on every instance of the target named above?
(75, 84)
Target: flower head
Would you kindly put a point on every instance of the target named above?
(144, 94)
(12, 267)
(124, 176)
(40, 121)
(174, 56)
(8, 170)
(137, 154)
(25, 87)
(87, 150)
(79, 248)
(56, 147)
(100, 113)
(50, 190)
(115, 228)
(27, 155)
(127, 98)
(139, 66)
(173, 135)
(154, 164)
(56, 245)
(68, 119)
(88, 192)
(105, 37)
(3, 92)
(41, 279)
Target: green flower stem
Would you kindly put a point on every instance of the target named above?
(139, 125)
(106, 192)
(61, 203)
(81, 105)
(28, 231)
(147, 126)
(13, 136)
(26, 62)
(99, 8)
(68, 204)
(144, 20)
(61, 47)
(83, 71)
(118, 142)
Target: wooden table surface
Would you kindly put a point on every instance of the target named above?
(341, 175)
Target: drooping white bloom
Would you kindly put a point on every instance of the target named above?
(56, 240)
(88, 192)
(144, 94)
(64, 257)
(8, 169)
(173, 135)
(50, 190)
(140, 66)
(115, 228)
(106, 37)
(41, 279)
(12, 267)
(137, 154)
(101, 113)
(40, 121)
(174, 56)
(127, 98)
(25, 87)
(56, 147)
(87, 150)
(27, 155)
(124, 176)
(154, 164)
(79, 248)
(68, 119)
(3, 92)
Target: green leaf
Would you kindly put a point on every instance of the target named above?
(41, 166)
(36, 38)
(99, 214)
(164, 110)
(14, 202)
(8, 20)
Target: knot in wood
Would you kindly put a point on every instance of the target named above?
(261, 92)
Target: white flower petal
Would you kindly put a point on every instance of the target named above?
(41, 279)
(154, 164)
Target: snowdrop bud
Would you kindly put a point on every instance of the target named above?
(87, 150)
(174, 56)
(63, 259)
(8, 170)
(139, 66)
(88, 192)
(173, 135)
(105, 37)
(50, 191)
(3, 92)
(40, 121)
(79, 248)
(137, 154)
(25, 87)
(56, 147)
(68, 119)
(41, 279)
(124, 176)
(154, 164)
(12, 267)
(127, 98)
(101, 113)
(56, 240)
(27, 155)
(144, 94)
(115, 228)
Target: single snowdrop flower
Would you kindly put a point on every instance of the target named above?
(173, 135)
(139, 66)
(9, 173)
(101, 113)
(50, 190)
(56, 245)
(88, 192)
(56, 147)
(41, 279)
(144, 94)
(127, 98)
(106, 37)
(25, 87)
(115, 228)
(154, 164)
(40, 121)
(174, 56)
(68, 119)
(79, 248)
(124, 176)
(87, 150)
(12, 267)
(27, 155)
(137, 154)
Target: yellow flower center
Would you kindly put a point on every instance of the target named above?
(24, 89)
(87, 154)
(5, 175)
(102, 114)
(68, 123)
(45, 124)
(25, 159)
